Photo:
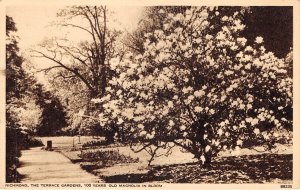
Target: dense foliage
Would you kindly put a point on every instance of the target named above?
(13, 91)
(53, 116)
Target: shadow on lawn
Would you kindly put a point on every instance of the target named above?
(242, 169)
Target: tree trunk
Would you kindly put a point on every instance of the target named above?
(207, 162)
(109, 138)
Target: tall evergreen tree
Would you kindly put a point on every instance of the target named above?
(14, 74)
(53, 116)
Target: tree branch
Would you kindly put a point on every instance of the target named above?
(48, 69)
(67, 68)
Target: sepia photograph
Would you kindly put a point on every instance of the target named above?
(162, 94)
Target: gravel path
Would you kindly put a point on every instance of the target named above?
(41, 166)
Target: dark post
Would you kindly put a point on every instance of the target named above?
(79, 139)
(49, 145)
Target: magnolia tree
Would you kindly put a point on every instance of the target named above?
(199, 88)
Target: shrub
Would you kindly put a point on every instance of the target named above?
(32, 142)
(95, 143)
(107, 158)
(13, 152)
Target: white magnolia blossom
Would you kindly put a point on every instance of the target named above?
(259, 40)
(256, 131)
(198, 109)
(239, 143)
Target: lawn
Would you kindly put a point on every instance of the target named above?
(262, 168)
(121, 164)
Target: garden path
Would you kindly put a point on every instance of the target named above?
(41, 166)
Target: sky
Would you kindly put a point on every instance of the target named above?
(33, 22)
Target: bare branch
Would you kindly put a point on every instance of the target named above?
(141, 149)
(76, 26)
(75, 71)
(48, 69)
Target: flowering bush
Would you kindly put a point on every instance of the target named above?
(199, 85)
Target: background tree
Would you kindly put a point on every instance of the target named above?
(50, 116)
(87, 60)
(28, 113)
(14, 74)
(74, 97)
(84, 63)
(53, 117)
(150, 21)
(278, 33)
(17, 103)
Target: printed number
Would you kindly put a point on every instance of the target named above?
(285, 186)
